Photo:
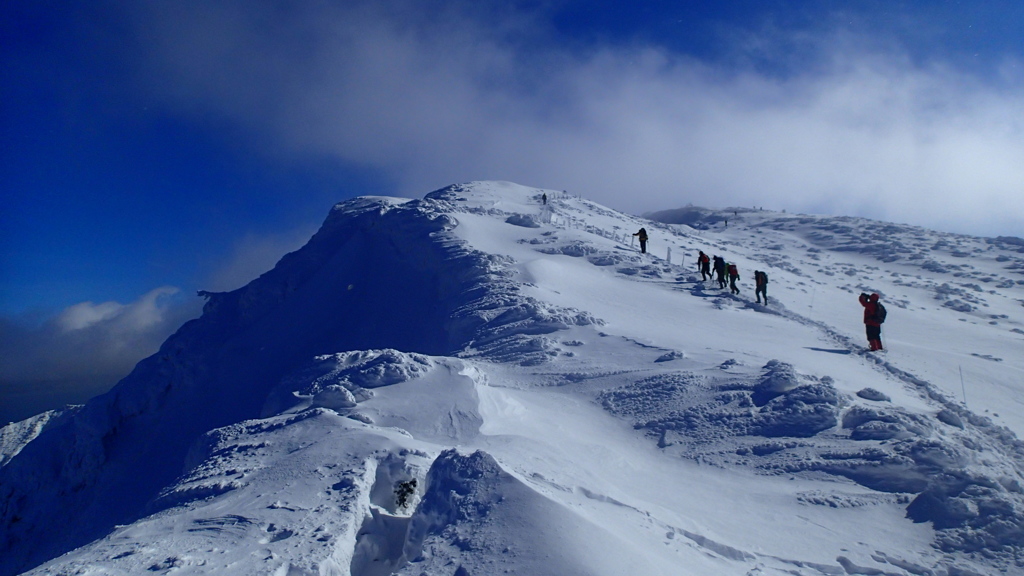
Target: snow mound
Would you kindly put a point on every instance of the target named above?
(524, 220)
(872, 394)
(974, 513)
(463, 523)
(779, 404)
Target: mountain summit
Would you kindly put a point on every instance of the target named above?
(493, 379)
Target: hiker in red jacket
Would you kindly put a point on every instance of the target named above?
(872, 320)
(734, 275)
(704, 263)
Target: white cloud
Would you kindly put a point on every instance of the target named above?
(434, 99)
(87, 314)
(84, 350)
(124, 320)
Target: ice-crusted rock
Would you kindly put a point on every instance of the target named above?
(800, 413)
(608, 259)
(874, 395)
(693, 216)
(575, 249)
(778, 378)
(867, 423)
(958, 305)
(900, 465)
(875, 468)
(524, 220)
(947, 416)
(670, 356)
(453, 482)
(789, 407)
(973, 513)
(339, 381)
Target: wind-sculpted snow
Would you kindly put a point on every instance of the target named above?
(577, 249)
(516, 333)
(339, 381)
(724, 420)
(778, 404)
(227, 459)
(973, 512)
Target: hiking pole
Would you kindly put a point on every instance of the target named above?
(963, 388)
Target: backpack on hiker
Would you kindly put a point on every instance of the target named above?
(880, 312)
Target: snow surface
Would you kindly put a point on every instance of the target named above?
(475, 383)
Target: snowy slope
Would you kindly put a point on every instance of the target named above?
(475, 383)
(955, 300)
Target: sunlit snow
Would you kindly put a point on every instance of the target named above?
(479, 383)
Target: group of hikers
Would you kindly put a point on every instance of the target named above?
(716, 268)
(720, 270)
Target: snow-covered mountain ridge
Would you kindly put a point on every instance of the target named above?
(477, 383)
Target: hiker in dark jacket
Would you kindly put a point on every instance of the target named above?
(872, 323)
(642, 234)
(734, 275)
(761, 280)
(704, 264)
(720, 271)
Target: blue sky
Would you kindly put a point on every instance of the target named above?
(151, 149)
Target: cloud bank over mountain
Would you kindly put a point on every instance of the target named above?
(443, 93)
(87, 347)
(84, 350)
